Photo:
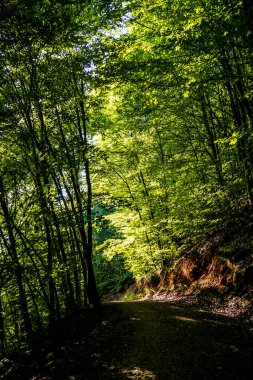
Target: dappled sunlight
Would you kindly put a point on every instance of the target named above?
(214, 321)
(185, 319)
(135, 373)
(138, 373)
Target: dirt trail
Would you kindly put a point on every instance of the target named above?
(154, 340)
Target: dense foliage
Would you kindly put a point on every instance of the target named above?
(177, 143)
(124, 126)
(48, 51)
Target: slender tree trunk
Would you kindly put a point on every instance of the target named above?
(70, 300)
(41, 172)
(212, 138)
(11, 247)
(92, 291)
(2, 332)
(29, 254)
(235, 92)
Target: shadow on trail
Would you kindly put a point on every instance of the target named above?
(144, 340)
(158, 341)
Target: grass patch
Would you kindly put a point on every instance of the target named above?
(130, 296)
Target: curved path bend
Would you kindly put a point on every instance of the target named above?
(151, 340)
(155, 340)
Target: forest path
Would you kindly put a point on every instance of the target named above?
(151, 340)
(155, 340)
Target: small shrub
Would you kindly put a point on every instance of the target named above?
(130, 296)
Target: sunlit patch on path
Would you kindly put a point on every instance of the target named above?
(134, 373)
(138, 373)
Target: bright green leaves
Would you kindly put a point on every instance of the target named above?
(153, 102)
(48, 64)
(173, 130)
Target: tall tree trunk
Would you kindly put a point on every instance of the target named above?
(208, 123)
(66, 278)
(11, 247)
(92, 291)
(237, 104)
(2, 332)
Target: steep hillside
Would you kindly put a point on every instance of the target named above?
(217, 272)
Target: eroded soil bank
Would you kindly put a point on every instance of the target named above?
(216, 273)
